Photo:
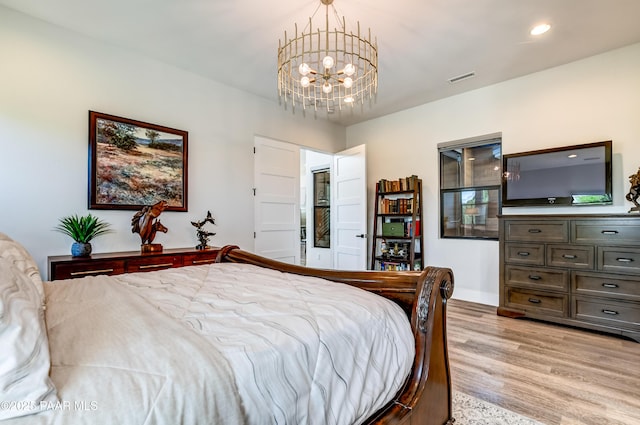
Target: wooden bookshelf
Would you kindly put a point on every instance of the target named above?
(397, 242)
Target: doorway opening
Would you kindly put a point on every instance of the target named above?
(286, 205)
(315, 209)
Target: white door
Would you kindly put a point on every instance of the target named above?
(349, 209)
(277, 200)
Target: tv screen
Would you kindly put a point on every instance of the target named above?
(571, 175)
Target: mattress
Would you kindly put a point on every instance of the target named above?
(221, 343)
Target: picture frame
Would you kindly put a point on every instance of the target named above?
(134, 163)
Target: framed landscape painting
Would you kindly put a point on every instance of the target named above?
(133, 164)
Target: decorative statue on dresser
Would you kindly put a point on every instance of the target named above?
(634, 191)
(147, 224)
(203, 235)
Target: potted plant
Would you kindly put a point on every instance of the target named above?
(82, 230)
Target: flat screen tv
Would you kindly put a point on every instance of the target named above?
(570, 175)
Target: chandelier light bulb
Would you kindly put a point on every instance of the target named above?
(347, 83)
(326, 87)
(305, 82)
(349, 69)
(348, 99)
(304, 68)
(328, 62)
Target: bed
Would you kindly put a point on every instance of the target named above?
(246, 340)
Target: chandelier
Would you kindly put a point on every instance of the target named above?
(327, 68)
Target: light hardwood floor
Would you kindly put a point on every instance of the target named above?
(554, 374)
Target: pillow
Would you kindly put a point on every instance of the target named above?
(22, 260)
(24, 357)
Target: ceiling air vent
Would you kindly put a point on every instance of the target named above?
(462, 77)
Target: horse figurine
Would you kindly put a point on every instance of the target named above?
(203, 235)
(146, 223)
(634, 191)
(156, 227)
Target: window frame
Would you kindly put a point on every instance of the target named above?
(322, 209)
(461, 188)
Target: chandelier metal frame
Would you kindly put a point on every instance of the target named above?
(327, 68)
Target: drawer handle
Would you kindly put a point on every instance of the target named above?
(611, 312)
(535, 231)
(624, 260)
(210, 260)
(534, 300)
(569, 256)
(534, 277)
(609, 232)
(610, 285)
(87, 272)
(523, 254)
(154, 266)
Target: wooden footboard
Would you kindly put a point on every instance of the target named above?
(425, 398)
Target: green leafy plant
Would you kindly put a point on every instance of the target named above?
(83, 229)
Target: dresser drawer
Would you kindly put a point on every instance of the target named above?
(206, 257)
(142, 264)
(617, 259)
(537, 278)
(571, 256)
(81, 268)
(524, 253)
(620, 232)
(537, 302)
(611, 313)
(537, 231)
(600, 285)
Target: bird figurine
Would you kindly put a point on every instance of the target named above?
(203, 235)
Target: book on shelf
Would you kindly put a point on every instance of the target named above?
(393, 266)
(396, 206)
(413, 229)
(400, 185)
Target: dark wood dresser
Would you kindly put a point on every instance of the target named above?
(68, 267)
(579, 270)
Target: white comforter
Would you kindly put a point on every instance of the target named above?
(221, 344)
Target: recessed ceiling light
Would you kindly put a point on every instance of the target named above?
(540, 29)
(573, 155)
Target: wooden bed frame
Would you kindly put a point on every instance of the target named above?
(425, 398)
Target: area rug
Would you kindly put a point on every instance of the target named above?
(468, 410)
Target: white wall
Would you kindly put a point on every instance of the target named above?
(50, 78)
(585, 101)
(316, 257)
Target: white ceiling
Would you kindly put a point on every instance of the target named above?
(421, 43)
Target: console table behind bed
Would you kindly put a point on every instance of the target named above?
(425, 398)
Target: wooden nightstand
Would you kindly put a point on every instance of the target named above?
(111, 263)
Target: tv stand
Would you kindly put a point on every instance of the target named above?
(578, 270)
